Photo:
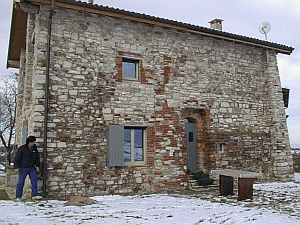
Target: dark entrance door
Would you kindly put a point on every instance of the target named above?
(190, 128)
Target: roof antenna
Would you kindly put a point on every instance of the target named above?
(264, 28)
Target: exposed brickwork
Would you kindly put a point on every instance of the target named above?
(227, 87)
(240, 152)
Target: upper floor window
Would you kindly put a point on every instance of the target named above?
(130, 68)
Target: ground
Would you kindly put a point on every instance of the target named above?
(273, 203)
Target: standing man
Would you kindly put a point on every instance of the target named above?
(27, 162)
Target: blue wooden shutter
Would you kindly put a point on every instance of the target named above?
(115, 145)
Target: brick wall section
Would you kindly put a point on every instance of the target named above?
(245, 150)
(226, 82)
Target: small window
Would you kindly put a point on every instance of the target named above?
(130, 68)
(221, 147)
(191, 136)
(134, 145)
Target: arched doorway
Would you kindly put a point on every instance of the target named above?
(191, 147)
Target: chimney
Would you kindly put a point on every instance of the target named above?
(216, 24)
(91, 1)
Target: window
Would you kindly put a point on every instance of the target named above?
(191, 136)
(221, 147)
(126, 145)
(130, 68)
(24, 134)
(134, 147)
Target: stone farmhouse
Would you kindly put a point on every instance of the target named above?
(123, 102)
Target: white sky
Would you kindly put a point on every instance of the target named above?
(241, 17)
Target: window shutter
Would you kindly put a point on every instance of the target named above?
(115, 145)
(24, 134)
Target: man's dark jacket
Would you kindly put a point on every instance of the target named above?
(26, 157)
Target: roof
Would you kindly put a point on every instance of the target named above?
(18, 29)
(17, 39)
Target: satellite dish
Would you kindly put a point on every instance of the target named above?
(264, 28)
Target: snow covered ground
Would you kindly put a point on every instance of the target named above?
(273, 203)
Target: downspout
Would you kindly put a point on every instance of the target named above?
(47, 100)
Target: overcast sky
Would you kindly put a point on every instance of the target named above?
(241, 17)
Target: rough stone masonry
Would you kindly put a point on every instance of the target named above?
(228, 88)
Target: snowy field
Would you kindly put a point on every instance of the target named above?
(273, 203)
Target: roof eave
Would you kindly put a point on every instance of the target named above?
(18, 29)
(17, 38)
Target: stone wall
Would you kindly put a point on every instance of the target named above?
(280, 145)
(26, 99)
(229, 85)
(20, 94)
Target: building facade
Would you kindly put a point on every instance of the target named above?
(135, 102)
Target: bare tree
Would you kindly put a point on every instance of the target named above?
(8, 104)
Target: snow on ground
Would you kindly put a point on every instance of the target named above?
(273, 203)
(152, 209)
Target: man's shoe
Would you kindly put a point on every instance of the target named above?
(18, 199)
(37, 197)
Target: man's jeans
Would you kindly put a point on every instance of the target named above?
(23, 172)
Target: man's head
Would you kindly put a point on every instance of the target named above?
(30, 141)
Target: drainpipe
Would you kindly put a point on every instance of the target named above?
(47, 100)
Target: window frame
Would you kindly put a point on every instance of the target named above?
(131, 60)
(132, 162)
